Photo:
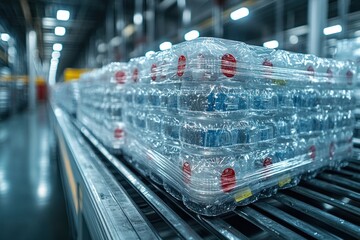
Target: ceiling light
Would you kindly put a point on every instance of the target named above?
(102, 48)
(165, 45)
(12, 51)
(271, 44)
(192, 35)
(149, 53)
(240, 13)
(54, 61)
(5, 37)
(138, 18)
(332, 30)
(60, 31)
(116, 41)
(128, 30)
(57, 47)
(293, 39)
(63, 15)
(55, 55)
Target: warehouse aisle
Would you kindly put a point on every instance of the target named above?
(32, 203)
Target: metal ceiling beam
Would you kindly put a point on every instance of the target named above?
(51, 23)
(68, 49)
(165, 4)
(50, 38)
(279, 22)
(343, 9)
(353, 25)
(69, 52)
(27, 13)
(93, 3)
(317, 20)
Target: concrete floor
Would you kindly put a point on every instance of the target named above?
(32, 204)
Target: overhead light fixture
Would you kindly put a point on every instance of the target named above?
(115, 41)
(128, 30)
(293, 39)
(165, 46)
(57, 47)
(54, 61)
(357, 33)
(193, 34)
(332, 30)
(149, 53)
(271, 44)
(12, 51)
(240, 13)
(5, 37)
(138, 18)
(55, 55)
(60, 31)
(62, 15)
(102, 47)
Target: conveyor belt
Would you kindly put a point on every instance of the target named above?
(327, 207)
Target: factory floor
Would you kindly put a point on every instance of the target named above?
(32, 204)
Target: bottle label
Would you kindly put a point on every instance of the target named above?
(228, 180)
(153, 72)
(284, 180)
(118, 133)
(243, 194)
(181, 66)
(349, 76)
(187, 172)
(228, 65)
(135, 75)
(267, 161)
(312, 152)
(267, 170)
(311, 70)
(120, 77)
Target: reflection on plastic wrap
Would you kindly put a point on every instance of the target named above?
(66, 95)
(221, 123)
(350, 49)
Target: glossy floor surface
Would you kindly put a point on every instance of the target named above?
(32, 204)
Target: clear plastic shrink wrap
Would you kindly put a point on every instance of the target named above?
(66, 95)
(348, 49)
(101, 104)
(220, 123)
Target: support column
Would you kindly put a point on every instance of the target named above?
(218, 20)
(150, 22)
(343, 8)
(31, 57)
(120, 25)
(185, 17)
(138, 15)
(317, 21)
(279, 20)
(109, 21)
